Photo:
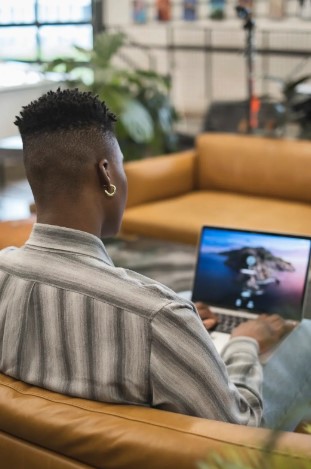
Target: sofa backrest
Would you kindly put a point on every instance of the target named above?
(47, 429)
(276, 168)
(160, 178)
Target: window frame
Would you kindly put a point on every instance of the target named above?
(95, 22)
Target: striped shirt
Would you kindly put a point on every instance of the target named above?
(72, 322)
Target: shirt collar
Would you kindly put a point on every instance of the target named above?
(52, 237)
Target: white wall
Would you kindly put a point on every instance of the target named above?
(192, 89)
(11, 101)
(117, 12)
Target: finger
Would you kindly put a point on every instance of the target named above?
(276, 323)
(282, 327)
(211, 315)
(275, 318)
(290, 325)
(205, 312)
(263, 316)
(202, 306)
(209, 323)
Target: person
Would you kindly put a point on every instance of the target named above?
(72, 322)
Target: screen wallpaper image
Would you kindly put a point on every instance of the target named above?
(260, 273)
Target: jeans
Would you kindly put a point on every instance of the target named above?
(287, 381)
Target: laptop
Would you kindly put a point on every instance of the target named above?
(241, 274)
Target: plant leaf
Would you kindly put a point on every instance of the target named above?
(289, 87)
(139, 98)
(137, 121)
(105, 47)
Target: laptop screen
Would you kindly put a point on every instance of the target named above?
(252, 271)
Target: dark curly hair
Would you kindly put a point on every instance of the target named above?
(64, 110)
(63, 132)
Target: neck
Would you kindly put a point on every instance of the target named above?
(78, 216)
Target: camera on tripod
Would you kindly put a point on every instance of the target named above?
(243, 12)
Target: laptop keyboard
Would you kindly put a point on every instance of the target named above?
(226, 322)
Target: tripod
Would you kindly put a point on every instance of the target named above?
(252, 103)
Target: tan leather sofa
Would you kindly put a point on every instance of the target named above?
(16, 232)
(41, 429)
(227, 180)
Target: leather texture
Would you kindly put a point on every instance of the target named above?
(121, 437)
(228, 180)
(18, 454)
(252, 165)
(15, 233)
(160, 178)
(181, 218)
(241, 182)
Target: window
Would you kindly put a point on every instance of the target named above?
(39, 30)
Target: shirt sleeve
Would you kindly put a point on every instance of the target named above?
(188, 376)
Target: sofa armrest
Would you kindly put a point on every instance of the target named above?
(95, 434)
(160, 177)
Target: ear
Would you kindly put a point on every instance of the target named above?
(103, 172)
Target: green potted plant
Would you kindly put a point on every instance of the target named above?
(140, 98)
(298, 104)
(295, 107)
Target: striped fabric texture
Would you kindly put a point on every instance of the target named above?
(72, 322)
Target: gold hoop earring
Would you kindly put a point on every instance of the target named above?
(113, 190)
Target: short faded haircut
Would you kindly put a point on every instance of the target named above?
(61, 132)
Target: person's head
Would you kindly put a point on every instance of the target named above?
(72, 158)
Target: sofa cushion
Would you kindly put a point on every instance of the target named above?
(180, 219)
(160, 178)
(255, 165)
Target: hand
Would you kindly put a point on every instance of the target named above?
(268, 330)
(208, 318)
